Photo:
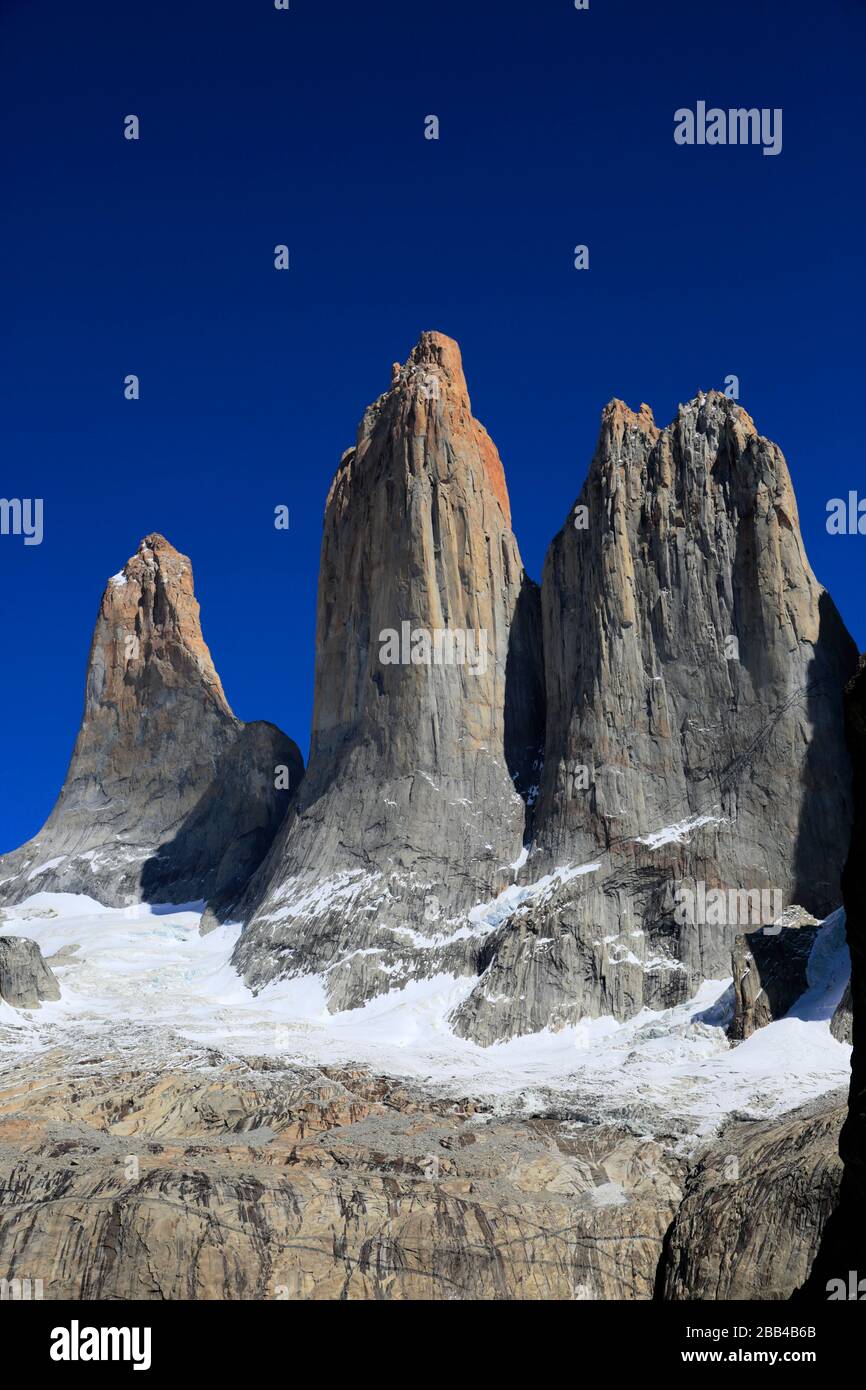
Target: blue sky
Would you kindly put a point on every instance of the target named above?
(306, 127)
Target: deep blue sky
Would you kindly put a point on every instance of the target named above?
(306, 127)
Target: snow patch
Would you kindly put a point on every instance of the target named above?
(677, 833)
(143, 976)
(45, 868)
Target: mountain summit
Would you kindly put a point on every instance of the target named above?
(168, 796)
(427, 627)
(694, 670)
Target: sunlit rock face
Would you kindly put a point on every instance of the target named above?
(694, 664)
(427, 712)
(168, 796)
(694, 749)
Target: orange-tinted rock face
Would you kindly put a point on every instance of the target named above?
(155, 716)
(416, 529)
(408, 812)
(148, 639)
(137, 814)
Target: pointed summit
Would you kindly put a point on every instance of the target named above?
(426, 632)
(156, 738)
(148, 648)
(428, 400)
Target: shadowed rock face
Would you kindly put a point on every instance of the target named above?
(770, 971)
(842, 1022)
(842, 1256)
(853, 1140)
(408, 813)
(25, 979)
(755, 1208)
(168, 796)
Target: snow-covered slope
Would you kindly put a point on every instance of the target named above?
(145, 982)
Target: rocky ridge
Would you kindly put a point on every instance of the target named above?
(756, 1206)
(680, 669)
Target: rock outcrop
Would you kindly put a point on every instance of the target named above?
(842, 1022)
(853, 1140)
(25, 979)
(770, 971)
(223, 1179)
(168, 797)
(841, 1258)
(694, 664)
(231, 1182)
(427, 628)
(695, 755)
(756, 1207)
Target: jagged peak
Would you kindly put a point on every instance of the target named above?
(712, 402)
(157, 544)
(616, 412)
(434, 365)
(428, 391)
(148, 609)
(154, 552)
(706, 408)
(628, 440)
(437, 349)
(716, 404)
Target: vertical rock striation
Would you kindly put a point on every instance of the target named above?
(693, 661)
(694, 736)
(168, 796)
(408, 813)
